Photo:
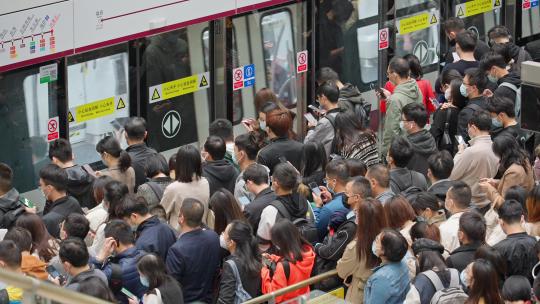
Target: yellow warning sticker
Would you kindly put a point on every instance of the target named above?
(70, 117)
(330, 297)
(95, 110)
(476, 7)
(179, 87)
(418, 22)
(121, 104)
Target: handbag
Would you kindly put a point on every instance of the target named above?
(446, 141)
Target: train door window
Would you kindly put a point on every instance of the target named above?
(479, 15)
(418, 28)
(27, 101)
(174, 85)
(530, 21)
(98, 96)
(279, 55)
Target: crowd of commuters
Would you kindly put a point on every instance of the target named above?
(446, 207)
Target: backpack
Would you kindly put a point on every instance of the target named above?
(453, 294)
(240, 294)
(306, 227)
(410, 192)
(517, 101)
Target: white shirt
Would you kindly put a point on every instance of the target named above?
(449, 232)
(268, 219)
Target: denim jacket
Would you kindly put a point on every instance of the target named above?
(388, 284)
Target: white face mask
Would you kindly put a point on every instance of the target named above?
(223, 242)
(447, 95)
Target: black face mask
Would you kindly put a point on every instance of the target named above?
(346, 201)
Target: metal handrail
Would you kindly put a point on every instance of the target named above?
(272, 296)
(33, 287)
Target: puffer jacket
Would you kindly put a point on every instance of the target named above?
(130, 276)
(423, 146)
(80, 186)
(299, 271)
(404, 94)
(10, 209)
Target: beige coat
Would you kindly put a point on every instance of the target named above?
(515, 175)
(175, 194)
(349, 265)
(476, 162)
(127, 177)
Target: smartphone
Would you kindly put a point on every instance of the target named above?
(27, 202)
(129, 294)
(377, 89)
(89, 170)
(315, 188)
(460, 140)
(282, 159)
(55, 274)
(309, 117)
(244, 200)
(314, 108)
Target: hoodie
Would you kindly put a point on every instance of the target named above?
(503, 91)
(80, 186)
(423, 146)
(349, 96)
(220, 174)
(405, 93)
(10, 208)
(298, 271)
(34, 267)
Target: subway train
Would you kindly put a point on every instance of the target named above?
(77, 69)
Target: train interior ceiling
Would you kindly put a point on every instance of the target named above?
(181, 78)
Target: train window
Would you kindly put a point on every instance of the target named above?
(173, 87)
(418, 31)
(280, 55)
(26, 104)
(530, 22)
(98, 99)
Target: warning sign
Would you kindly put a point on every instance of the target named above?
(528, 4)
(301, 62)
(70, 117)
(383, 39)
(95, 109)
(52, 129)
(238, 78)
(476, 7)
(418, 22)
(179, 87)
(121, 104)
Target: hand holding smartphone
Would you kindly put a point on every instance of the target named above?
(460, 139)
(315, 189)
(129, 294)
(310, 118)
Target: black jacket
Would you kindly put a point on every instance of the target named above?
(250, 281)
(220, 174)
(438, 125)
(462, 256)
(154, 236)
(404, 178)
(440, 188)
(253, 210)
(481, 49)
(10, 209)
(80, 186)
(56, 212)
(507, 92)
(423, 146)
(278, 147)
(519, 55)
(467, 113)
(139, 153)
(171, 292)
(518, 252)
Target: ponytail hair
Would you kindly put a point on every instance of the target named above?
(110, 145)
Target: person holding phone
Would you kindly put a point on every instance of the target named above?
(10, 203)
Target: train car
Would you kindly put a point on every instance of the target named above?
(77, 69)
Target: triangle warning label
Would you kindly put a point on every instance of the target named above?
(204, 82)
(70, 117)
(155, 95)
(497, 2)
(433, 19)
(121, 104)
(460, 12)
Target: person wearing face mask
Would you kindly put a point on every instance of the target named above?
(243, 265)
(466, 42)
(162, 288)
(58, 205)
(74, 258)
(454, 26)
(223, 128)
(458, 200)
(331, 199)
(389, 283)
(257, 182)
(500, 35)
(478, 160)
(427, 206)
(406, 91)
(118, 162)
(497, 71)
(118, 258)
(471, 235)
(473, 86)
(481, 279)
(343, 229)
(503, 119)
(246, 148)
(151, 235)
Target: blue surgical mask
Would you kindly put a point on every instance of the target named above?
(374, 248)
(463, 90)
(144, 281)
(492, 78)
(262, 125)
(496, 123)
(464, 278)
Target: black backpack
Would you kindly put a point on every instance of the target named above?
(410, 191)
(305, 226)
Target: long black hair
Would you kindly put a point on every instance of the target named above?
(485, 284)
(115, 192)
(226, 209)
(286, 237)
(188, 164)
(510, 152)
(111, 146)
(315, 158)
(349, 129)
(247, 249)
(153, 268)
